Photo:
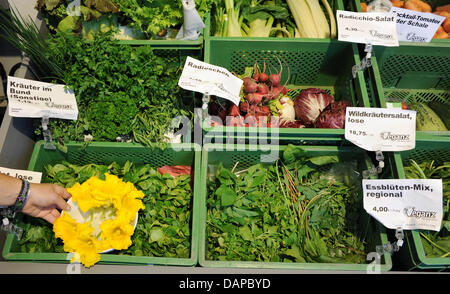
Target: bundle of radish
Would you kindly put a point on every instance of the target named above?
(265, 102)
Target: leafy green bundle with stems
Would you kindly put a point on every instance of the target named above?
(163, 228)
(436, 244)
(285, 212)
(121, 90)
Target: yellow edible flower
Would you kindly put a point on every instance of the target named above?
(115, 233)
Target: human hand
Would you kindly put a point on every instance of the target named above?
(44, 201)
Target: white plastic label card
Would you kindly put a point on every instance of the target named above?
(34, 99)
(413, 26)
(406, 203)
(209, 79)
(30, 176)
(376, 28)
(381, 129)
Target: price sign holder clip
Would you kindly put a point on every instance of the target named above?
(374, 171)
(48, 141)
(8, 227)
(392, 247)
(365, 62)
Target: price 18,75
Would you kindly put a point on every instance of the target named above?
(358, 133)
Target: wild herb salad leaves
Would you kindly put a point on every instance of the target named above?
(121, 90)
(163, 228)
(284, 213)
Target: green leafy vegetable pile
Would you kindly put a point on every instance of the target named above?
(163, 228)
(436, 244)
(288, 212)
(121, 90)
(147, 19)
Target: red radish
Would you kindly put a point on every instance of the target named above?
(275, 79)
(263, 77)
(250, 98)
(258, 98)
(274, 93)
(256, 75)
(244, 106)
(248, 81)
(251, 87)
(265, 110)
(234, 111)
(262, 89)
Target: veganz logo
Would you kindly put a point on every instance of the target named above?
(412, 212)
(394, 137)
(413, 38)
(375, 33)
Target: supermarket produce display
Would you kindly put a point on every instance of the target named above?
(147, 194)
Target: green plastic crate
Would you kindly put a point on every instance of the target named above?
(412, 256)
(319, 63)
(230, 154)
(410, 73)
(106, 153)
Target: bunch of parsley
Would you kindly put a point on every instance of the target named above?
(120, 90)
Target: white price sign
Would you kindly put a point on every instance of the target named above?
(381, 129)
(34, 99)
(413, 26)
(30, 176)
(376, 28)
(406, 203)
(209, 79)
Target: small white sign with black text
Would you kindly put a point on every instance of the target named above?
(34, 99)
(411, 204)
(30, 176)
(376, 28)
(381, 129)
(199, 76)
(414, 26)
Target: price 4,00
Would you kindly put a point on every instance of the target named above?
(380, 209)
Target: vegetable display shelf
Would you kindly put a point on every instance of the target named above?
(414, 256)
(239, 158)
(313, 63)
(106, 153)
(411, 73)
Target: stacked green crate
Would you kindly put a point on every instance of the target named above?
(313, 63)
(240, 158)
(410, 73)
(107, 153)
(426, 250)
